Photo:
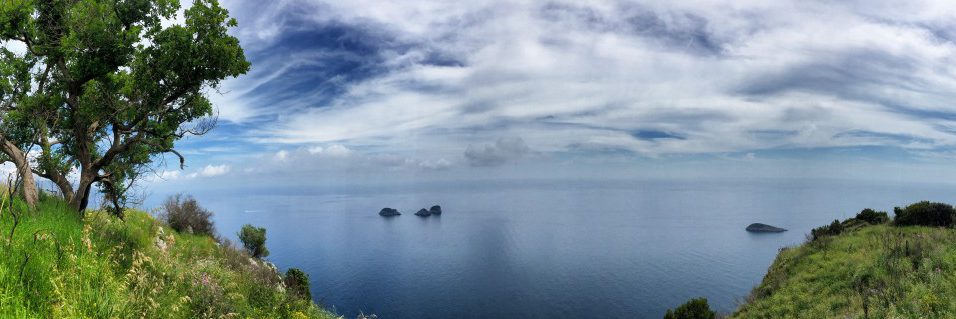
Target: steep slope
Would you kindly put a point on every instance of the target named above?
(57, 265)
(878, 271)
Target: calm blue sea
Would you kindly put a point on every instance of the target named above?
(544, 249)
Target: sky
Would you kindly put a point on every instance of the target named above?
(380, 91)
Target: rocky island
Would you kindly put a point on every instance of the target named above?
(423, 213)
(764, 228)
(388, 212)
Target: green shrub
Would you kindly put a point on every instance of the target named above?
(873, 217)
(925, 214)
(183, 213)
(297, 283)
(835, 228)
(696, 308)
(254, 240)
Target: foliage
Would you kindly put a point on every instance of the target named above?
(835, 228)
(106, 87)
(873, 217)
(58, 265)
(873, 272)
(297, 283)
(183, 213)
(254, 240)
(696, 308)
(925, 214)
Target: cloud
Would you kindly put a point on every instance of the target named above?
(282, 155)
(334, 150)
(654, 78)
(168, 175)
(210, 171)
(505, 150)
(439, 164)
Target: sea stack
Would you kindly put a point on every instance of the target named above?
(387, 212)
(435, 210)
(423, 213)
(764, 228)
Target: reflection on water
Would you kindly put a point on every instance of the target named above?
(544, 250)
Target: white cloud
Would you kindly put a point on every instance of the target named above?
(210, 171)
(168, 175)
(334, 150)
(282, 155)
(719, 76)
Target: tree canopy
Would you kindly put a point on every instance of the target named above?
(105, 87)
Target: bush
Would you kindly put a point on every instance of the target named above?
(873, 217)
(183, 213)
(925, 214)
(254, 240)
(297, 283)
(696, 308)
(835, 228)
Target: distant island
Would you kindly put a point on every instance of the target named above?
(389, 212)
(764, 228)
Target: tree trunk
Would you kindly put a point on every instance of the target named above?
(82, 196)
(28, 183)
(66, 188)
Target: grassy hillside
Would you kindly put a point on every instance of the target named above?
(878, 271)
(60, 266)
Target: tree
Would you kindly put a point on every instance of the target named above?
(297, 282)
(696, 308)
(873, 217)
(925, 213)
(183, 213)
(254, 240)
(118, 87)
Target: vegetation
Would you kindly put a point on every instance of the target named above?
(183, 213)
(58, 265)
(834, 228)
(865, 267)
(926, 214)
(696, 308)
(875, 272)
(297, 282)
(862, 267)
(873, 217)
(105, 88)
(254, 240)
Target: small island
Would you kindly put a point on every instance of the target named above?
(423, 213)
(388, 212)
(764, 228)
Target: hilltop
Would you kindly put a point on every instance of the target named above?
(863, 267)
(57, 264)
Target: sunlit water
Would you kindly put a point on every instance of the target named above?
(544, 249)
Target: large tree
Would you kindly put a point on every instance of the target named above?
(122, 82)
(17, 125)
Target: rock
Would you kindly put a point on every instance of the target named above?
(161, 244)
(435, 210)
(389, 212)
(764, 228)
(423, 213)
(364, 316)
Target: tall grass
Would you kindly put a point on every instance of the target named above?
(872, 272)
(56, 264)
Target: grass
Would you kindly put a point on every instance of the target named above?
(878, 271)
(58, 265)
